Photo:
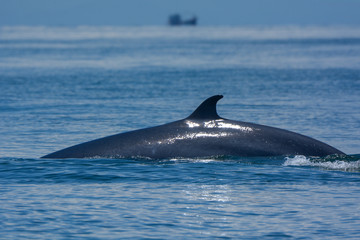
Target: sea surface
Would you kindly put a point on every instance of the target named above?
(60, 86)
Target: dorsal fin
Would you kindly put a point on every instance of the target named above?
(207, 109)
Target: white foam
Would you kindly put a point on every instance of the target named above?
(219, 124)
(333, 165)
(297, 161)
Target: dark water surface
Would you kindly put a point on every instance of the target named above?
(62, 86)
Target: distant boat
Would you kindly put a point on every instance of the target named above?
(175, 20)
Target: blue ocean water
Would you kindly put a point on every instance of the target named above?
(64, 85)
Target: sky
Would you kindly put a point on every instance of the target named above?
(156, 12)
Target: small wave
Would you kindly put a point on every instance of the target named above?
(200, 159)
(193, 160)
(331, 162)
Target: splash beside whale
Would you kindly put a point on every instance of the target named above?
(203, 134)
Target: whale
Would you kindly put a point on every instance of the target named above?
(202, 134)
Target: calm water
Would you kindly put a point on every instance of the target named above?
(62, 86)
